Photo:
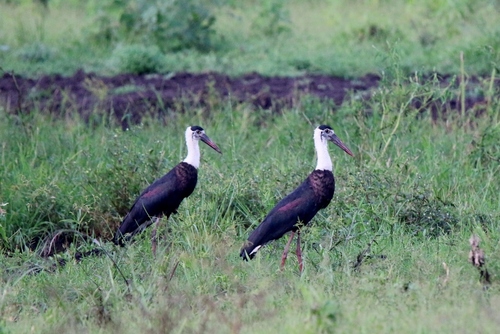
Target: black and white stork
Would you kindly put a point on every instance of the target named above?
(163, 196)
(299, 207)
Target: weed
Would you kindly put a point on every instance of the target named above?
(137, 59)
(119, 192)
(388, 254)
(426, 215)
(169, 25)
(477, 259)
(486, 151)
(270, 37)
(273, 20)
(326, 315)
(392, 223)
(36, 53)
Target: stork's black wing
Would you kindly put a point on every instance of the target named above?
(162, 197)
(298, 208)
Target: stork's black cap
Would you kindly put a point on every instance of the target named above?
(196, 128)
(324, 127)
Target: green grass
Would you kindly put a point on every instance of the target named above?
(405, 205)
(410, 199)
(272, 37)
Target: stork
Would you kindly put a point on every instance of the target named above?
(163, 196)
(299, 207)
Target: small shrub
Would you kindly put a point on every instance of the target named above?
(170, 25)
(422, 213)
(417, 209)
(137, 59)
(326, 315)
(120, 192)
(36, 53)
(486, 150)
(273, 20)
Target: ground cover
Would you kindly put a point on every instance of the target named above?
(271, 37)
(86, 123)
(389, 254)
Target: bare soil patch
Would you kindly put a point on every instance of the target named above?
(129, 97)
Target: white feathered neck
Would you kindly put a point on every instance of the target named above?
(321, 146)
(193, 156)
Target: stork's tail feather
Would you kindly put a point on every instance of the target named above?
(127, 231)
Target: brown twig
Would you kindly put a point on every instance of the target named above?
(447, 270)
(49, 245)
(172, 273)
(363, 254)
(19, 92)
(476, 258)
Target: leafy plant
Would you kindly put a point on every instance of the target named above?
(171, 25)
(273, 19)
(380, 241)
(137, 59)
(36, 52)
(426, 215)
(486, 150)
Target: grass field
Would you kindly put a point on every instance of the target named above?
(408, 201)
(272, 37)
(389, 254)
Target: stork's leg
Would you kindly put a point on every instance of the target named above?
(285, 252)
(299, 252)
(154, 239)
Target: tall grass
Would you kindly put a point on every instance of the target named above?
(388, 255)
(272, 37)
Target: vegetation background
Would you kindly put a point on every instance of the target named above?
(388, 255)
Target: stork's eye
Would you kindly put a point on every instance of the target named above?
(198, 132)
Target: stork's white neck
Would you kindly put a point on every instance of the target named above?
(193, 156)
(321, 146)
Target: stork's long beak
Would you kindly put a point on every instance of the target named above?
(204, 138)
(336, 140)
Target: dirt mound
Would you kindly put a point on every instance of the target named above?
(128, 97)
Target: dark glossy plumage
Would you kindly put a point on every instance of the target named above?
(296, 209)
(161, 198)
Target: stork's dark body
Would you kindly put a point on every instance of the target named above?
(161, 198)
(293, 211)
